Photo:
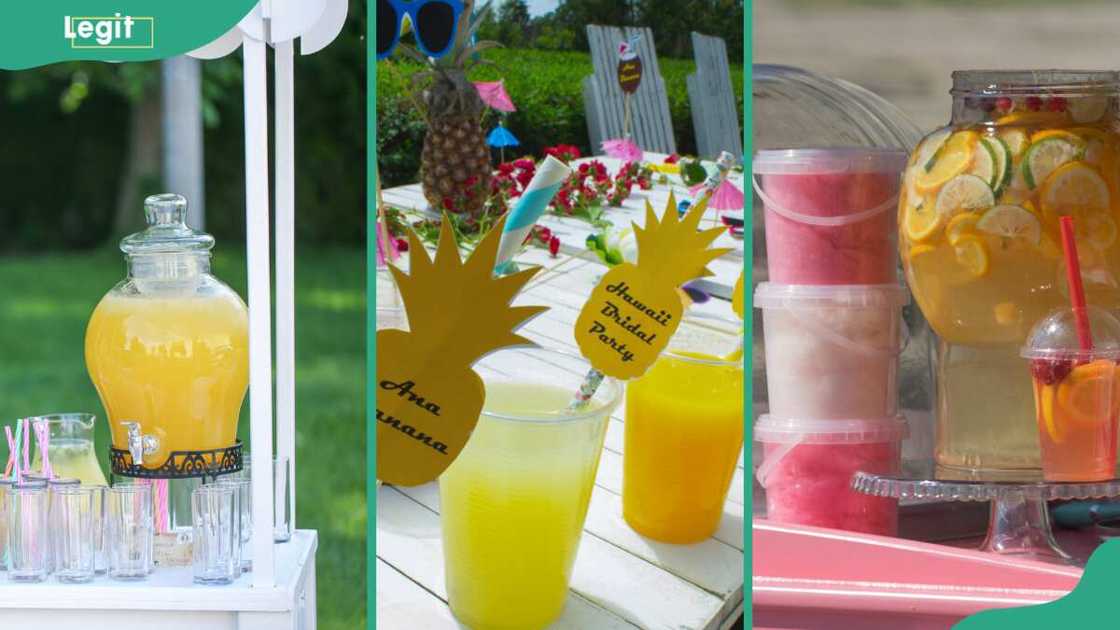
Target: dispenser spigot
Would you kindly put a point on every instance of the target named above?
(139, 444)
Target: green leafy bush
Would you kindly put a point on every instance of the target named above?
(546, 87)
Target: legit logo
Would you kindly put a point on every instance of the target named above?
(110, 32)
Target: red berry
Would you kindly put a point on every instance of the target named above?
(402, 245)
(1050, 371)
(1004, 104)
(1034, 103)
(554, 245)
(1056, 104)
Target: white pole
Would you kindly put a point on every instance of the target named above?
(182, 135)
(285, 270)
(257, 226)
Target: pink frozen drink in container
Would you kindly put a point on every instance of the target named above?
(830, 214)
(807, 469)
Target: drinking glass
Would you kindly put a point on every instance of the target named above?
(282, 507)
(244, 489)
(52, 485)
(217, 534)
(130, 531)
(100, 529)
(71, 516)
(684, 432)
(514, 501)
(28, 538)
(5, 486)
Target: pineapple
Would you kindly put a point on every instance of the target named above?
(428, 397)
(636, 308)
(455, 161)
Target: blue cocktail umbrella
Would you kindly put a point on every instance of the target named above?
(501, 138)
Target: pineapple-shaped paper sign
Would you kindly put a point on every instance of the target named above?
(636, 308)
(428, 397)
(737, 297)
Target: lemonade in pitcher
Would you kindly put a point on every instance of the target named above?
(979, 240)
(167, 348)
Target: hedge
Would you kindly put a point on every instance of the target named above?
(546, 88)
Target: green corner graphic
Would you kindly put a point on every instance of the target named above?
(115, 30)
(1089, 603)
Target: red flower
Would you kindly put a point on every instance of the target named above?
(402, 244)
(524, 164)
(673, 159)
(505, 168)
(524, 177)
(554, 245)
(583, 168)
(448, 204)
(544, 234)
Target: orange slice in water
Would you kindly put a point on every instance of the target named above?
(1045, 404)
(1088, 395)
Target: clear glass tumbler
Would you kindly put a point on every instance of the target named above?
(281, 503)
(684, 432)
(130, 523)
(100, 529)
(28, 534)
(5, 486)
(512, 505)
(216, 554)
(71, 518)
(244, 489)
(53, 484)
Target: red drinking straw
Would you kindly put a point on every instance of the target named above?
(1076, 289)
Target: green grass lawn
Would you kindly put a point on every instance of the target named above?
(47, 301)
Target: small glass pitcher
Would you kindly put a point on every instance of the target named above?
(71, 451)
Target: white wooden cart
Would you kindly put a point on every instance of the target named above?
(279, 593)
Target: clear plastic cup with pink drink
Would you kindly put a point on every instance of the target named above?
(830, 214)
(807, 469)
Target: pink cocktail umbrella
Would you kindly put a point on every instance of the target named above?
(624, 149)
(727, 196)
(494, 94)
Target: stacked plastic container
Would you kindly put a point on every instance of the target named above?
(833, 331)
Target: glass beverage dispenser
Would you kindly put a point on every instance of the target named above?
(980, 243)
(168, 349)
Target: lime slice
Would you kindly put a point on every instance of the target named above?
(960, 225)
(1002, 172)
(1012, 222)
(1064, 134)
(951, 160)
(921, 221)
(984, 163)
(972, 255)
(964, 193)
(1088, 108)
(1074, 189)
(1046, 155)
(930, 146)
(1016, 139)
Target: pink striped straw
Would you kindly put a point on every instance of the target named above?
(11, 451)
(26, 445)
(159, 496)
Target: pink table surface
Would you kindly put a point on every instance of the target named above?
(813, 578)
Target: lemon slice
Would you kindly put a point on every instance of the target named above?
(921, 221)
(1088, 108)
(1016, 140)
(1086, 394)
(1063, 134)
(1012, 222)
(1095, 152)
(1074, 189)
(920, 250)
(972, 255)
(1045, 156)
(1046, 406)
(954, 156)
(929, 147)
(961, 225)
(964, 193)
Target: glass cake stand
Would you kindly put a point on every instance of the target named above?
(1019, 524)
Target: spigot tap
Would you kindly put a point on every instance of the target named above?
(139, 444)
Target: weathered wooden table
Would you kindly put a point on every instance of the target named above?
(621, 579)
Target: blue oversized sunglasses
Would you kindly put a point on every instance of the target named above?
(434, 23)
